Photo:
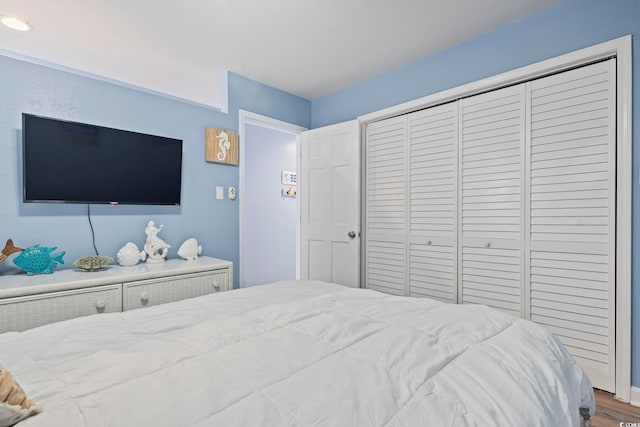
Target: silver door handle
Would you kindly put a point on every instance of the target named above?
(351, 234)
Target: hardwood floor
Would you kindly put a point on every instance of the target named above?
(611, 412)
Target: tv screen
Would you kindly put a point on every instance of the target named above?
(72, 162)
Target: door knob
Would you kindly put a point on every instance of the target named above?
(351, 234)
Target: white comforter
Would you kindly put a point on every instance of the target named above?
(298, 354)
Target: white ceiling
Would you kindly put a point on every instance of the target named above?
(307, 47)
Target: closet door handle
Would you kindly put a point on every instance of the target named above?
(351, 234)
(487, 245)
(428, 242)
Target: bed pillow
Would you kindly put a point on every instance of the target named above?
(14, 404)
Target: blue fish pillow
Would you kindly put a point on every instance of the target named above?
(39, 259)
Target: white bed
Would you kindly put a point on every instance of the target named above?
(297, 354)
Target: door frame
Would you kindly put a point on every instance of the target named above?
(621, 48)
(249, 118)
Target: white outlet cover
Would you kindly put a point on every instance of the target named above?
(219, 193)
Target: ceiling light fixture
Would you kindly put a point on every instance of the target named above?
(15, 23)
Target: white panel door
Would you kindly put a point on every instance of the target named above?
(572, 214)
(330, 204)
(385, 206)
(491, 228)
(432, 231)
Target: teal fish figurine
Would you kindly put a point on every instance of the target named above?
(39, 259)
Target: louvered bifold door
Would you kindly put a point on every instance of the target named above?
(572, 214)
(385, 210)
(433, 169)
(491, 216)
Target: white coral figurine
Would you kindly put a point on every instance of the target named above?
(130, 255)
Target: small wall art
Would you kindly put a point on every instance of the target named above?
(220, 146)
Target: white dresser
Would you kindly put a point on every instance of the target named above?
(30, 301)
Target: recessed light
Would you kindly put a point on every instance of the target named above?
(15, 23)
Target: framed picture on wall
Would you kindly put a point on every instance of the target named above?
(220, 146)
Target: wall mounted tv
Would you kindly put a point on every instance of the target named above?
(69, 162)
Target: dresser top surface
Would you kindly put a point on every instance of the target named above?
(20, 284)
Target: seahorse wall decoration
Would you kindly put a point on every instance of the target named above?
(220, 146)
(224, 144)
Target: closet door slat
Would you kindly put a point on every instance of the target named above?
(572, 213)
(432, 231)
(385, 211)
(491, 199)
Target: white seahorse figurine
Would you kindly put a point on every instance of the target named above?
(154, 246)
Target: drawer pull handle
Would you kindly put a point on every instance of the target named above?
(429, 242)
(100, 306)
(144, 297)
(216, 286)
(487, 245)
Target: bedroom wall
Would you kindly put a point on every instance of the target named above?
(268, 219)
(37, 89)
(572, 25)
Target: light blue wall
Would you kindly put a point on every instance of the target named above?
(26, 87)
(269, 219)
(570, 26)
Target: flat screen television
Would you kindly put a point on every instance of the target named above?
(69, 162)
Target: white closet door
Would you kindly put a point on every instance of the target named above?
(385, 209)
(492, 210)
(572, 214)
(433, 169)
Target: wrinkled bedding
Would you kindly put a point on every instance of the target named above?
(295, 353)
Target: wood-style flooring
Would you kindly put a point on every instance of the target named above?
(611, 412)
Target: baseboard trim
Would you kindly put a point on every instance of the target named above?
(635, 396)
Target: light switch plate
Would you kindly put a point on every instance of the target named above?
(289, 178)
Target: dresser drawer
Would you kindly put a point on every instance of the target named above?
(20, 313)
(146, 293)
